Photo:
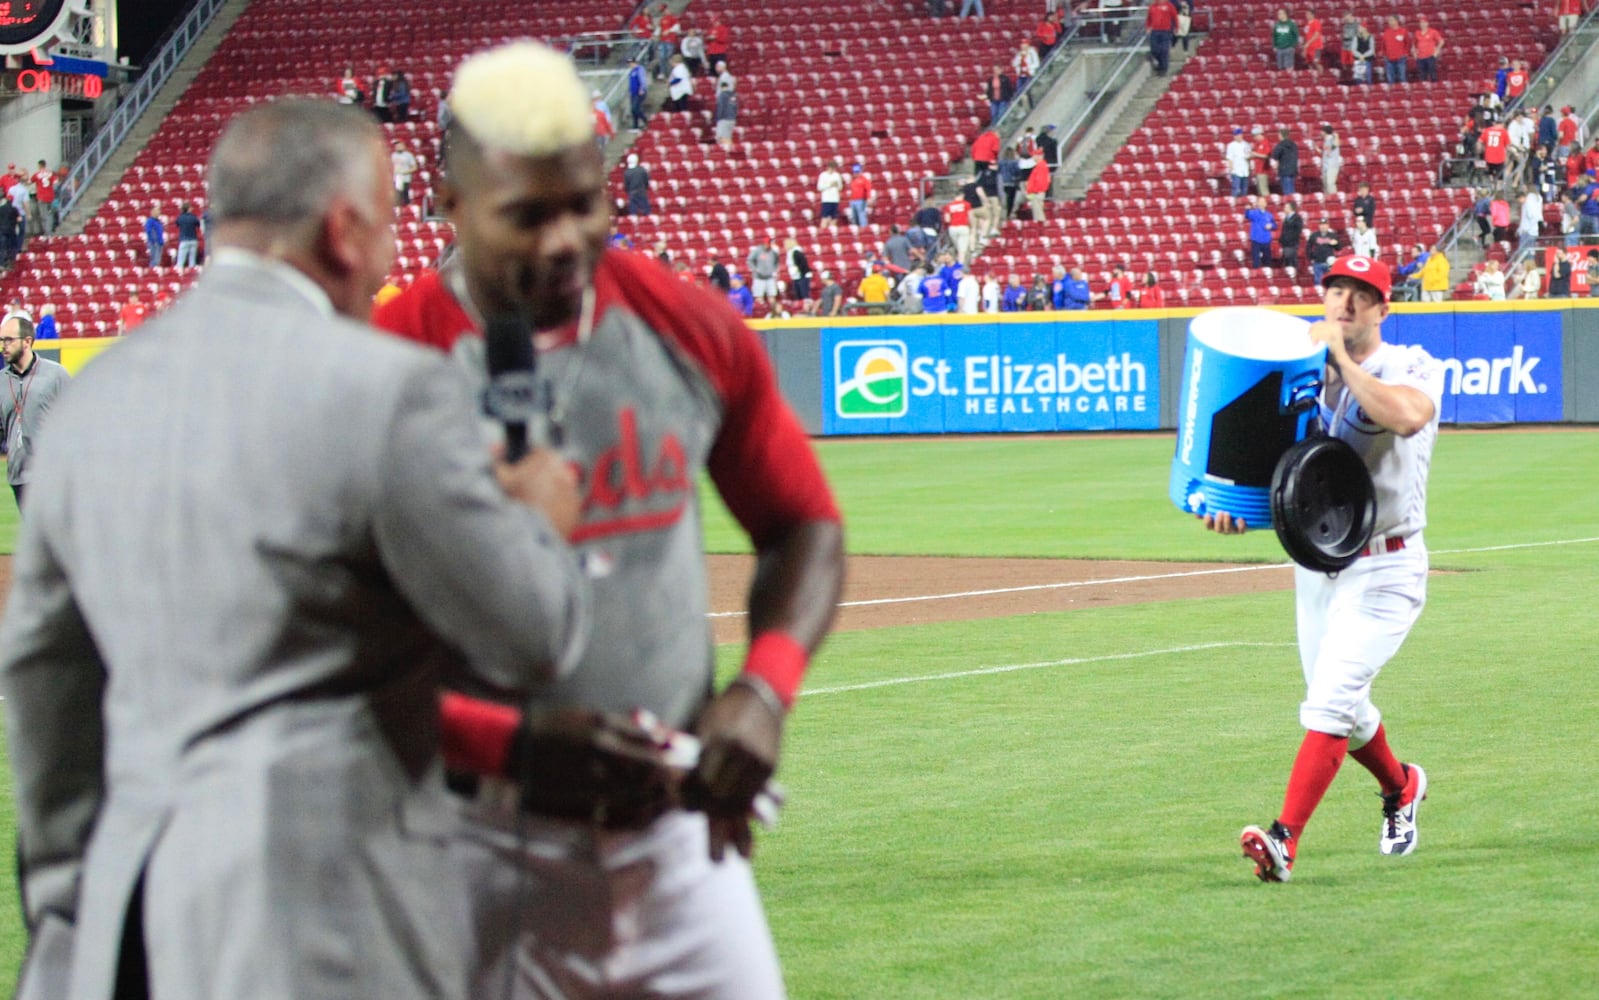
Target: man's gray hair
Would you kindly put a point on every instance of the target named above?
(284, 162)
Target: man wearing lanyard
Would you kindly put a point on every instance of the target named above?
(34, 383)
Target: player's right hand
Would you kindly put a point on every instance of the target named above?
(544, 480)
(1224, 523)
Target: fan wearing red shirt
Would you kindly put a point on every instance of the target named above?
(1495, 148)
(958, 222)
(1568, 13)
(985, 149)
(1260, 157)
(1516, 81)
(718, 42)
(44, 190)
(1045, 36)
(649, 384)
(1566, 132)
(1429, 43)
(1395, 50)
(1161, 22)
(132, 313)
(1313, 42)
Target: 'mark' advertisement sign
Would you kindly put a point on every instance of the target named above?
(991, 377)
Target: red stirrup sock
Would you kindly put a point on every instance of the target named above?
(1314, 770)
(1381, 762)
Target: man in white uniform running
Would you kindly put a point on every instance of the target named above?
(1383, 400)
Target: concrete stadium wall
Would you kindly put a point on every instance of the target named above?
(1507, 362)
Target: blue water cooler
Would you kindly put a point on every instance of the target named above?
(1250, 381)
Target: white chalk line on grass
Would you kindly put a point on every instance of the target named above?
(1068, 584)
(1013, 667)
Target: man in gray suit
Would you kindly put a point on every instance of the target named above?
(258, 536)
(35, 383)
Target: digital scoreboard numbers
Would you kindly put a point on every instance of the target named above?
(25, 24)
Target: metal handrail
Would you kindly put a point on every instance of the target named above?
(1074, 134)
(134, 102)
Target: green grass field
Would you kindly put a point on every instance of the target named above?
(1068, 828)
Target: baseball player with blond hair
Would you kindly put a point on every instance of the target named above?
(1383, 400)
(601, 870)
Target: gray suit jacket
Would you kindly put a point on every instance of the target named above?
(256, 533)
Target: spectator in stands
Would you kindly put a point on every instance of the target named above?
(763, 262)
(1495, 149)
(937, 296)
(1548, 130)
(1236, 155)
(1261, 226)
(1074, 292)
(1292, 231)
(1119, 290)
(726, 115)
(799, 270)
(1149, 294)
(1434, 276)
(1039, 297)
(1591, 272)
(638, 86)
(1588, 205)
(1570, 219)
(1499, 215)
(1037, 189)
(1348, 31)
(987, 212)
(1161, 21)
(1014, 298)
(188, 226)
(402, 162)
(968, 293)
(1395, 51)
(718, 43)
(1049, 149)
(1516, 80)
(642, 28)
(1523, 131)
(17, 194)
(1332, 159)
(723, 76)
(998, 90)
(1010, 180)
(400, 99)
(47, 329)
(382, 83)
(860, 196)
(1530, 220)
(969, 7)
(1323, 247)
(155, 236)
(1482, 214)
(958, 221)
(1362, 52)
(604, 124)
(1185, 24)
(1559, 277)
(1286, 156)
(693, 52)
(1531, 283)
(636, 185)
(1284, 39)
(679, 85)
(1567, 14)
(349, 88)
(830, 188)
(740, 296)
(717, 274)
(1566, 131)
(1409, 274)
(1259, 160)
(928, 219)
(1024, 64)
(874, 288)
(991, 293)
(44, 190)
(897, 252)
(1429, 45)
(132, 313)
(1491, 280)
(1365, 204)
(1502, 77)
(10, 232)
(906, 299)
(668, 35)
(1312, 41)
(1045, 36)
(1363, 239)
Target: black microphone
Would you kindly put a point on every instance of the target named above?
(512, 394)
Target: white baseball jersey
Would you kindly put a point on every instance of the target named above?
(1398, 465)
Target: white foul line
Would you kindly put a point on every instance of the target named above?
(1142, 579)
(1012, 667)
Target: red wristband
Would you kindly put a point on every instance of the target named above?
(476, 734)
(780, 661)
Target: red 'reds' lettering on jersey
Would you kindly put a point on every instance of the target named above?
(629, 491)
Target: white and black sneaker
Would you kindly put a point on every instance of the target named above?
(1399, 813)
(1271, 850)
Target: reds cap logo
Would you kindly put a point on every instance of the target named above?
(1359, 264)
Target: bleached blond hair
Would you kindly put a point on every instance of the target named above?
(523, 98)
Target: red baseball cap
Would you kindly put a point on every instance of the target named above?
(1367, 269)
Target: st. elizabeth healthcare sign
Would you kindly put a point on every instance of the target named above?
(990, 377)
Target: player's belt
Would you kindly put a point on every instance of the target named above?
(1393, 543)
(502, 795)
